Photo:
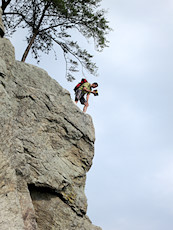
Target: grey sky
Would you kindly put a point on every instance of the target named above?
(130, 186)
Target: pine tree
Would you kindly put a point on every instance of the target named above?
(50, 22)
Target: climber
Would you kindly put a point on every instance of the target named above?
(85, 88)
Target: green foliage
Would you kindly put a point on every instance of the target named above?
(53, 21)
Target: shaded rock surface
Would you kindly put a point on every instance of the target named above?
(46, 148)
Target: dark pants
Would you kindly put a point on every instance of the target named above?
(79, 96)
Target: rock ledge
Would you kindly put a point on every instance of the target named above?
(47, 146)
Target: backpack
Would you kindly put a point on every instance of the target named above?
(83, 80)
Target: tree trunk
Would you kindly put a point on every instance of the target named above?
(34, 34)
(5, 4)
(28, 47)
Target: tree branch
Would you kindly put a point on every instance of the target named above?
(43, 14)
(35, 33)
(20, 14)
(51, 27)
(67, 50)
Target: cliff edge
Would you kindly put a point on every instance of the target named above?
(46, 148)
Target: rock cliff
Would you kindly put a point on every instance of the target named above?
(46, 148)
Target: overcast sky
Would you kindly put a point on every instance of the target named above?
(130, 185)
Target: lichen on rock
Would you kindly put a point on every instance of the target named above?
(46, 149)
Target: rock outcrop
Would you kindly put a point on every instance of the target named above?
(46, 148)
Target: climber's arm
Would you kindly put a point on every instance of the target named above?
(87, 90)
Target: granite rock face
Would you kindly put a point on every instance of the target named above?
(46, 149)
